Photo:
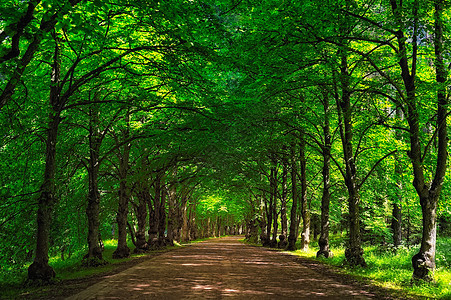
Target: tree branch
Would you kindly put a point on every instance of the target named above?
(374, 167)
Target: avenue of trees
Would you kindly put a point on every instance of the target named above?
(176, 120)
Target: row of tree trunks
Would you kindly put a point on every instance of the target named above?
(428, 189)
(270, 219)
(40, 270)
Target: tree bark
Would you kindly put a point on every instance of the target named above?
(141, 215)
(305, 210)
(424, 261)
(428, 190)
(185, 222)
(273, 196)
(292, 237)
(396, 224)
(172, 209)
(354, 251)
(252, 219)
(183, 218)
(154, 213)
(40, 269)
(323, 241)
(131, 230)
(283, 204)
(193, 221)
(162, 218)
(94, 255)
(122, 249)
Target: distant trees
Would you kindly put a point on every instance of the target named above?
(170, 121)
(377, 53)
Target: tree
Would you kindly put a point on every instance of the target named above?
(409, 20)
(323, 241)
(40, 268)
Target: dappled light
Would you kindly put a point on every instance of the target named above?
(132, 128)
(222, 268)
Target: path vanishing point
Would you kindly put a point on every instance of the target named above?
(223, 268)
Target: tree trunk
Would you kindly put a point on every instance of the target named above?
(252, 223)
(162, 218)
(124, 197)
(185, 227)
(354, 251)
(269, 215)
(283, 205)
(396, 224)
(141, 216)
(40, 269)
(305, 210)
(273, 188)
(122, 249)
(323, 241)
(171, 214)
(193, 221)
(154, 213)
(293, 215)
(218, 227)
(424, 261)
(131, 230)
(94, 255)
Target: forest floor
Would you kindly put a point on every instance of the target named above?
(215, 269)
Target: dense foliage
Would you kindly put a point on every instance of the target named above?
(175, 120)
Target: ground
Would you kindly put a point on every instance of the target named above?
(222, 268)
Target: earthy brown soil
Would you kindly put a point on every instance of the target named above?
(227, 268)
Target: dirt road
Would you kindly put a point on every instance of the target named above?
(222, 268)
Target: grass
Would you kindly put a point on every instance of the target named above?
(13, 283)
(386, 268)
(393, 269)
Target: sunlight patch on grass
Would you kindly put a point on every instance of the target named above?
(110, 243)
(392, 268)
(310, 253)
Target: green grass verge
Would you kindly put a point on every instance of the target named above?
(393, 269)
(13, 282)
